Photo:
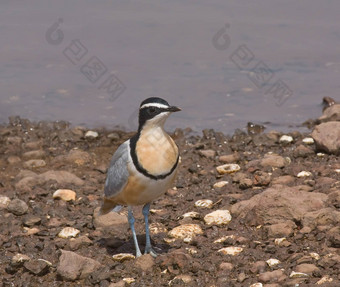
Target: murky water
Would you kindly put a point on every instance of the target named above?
(224, 62)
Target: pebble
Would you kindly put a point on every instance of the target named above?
(205, 203)
(306, 268)
(224, 238)
(65, 194)
(186, 231)
(17, 207)
(91, 134)
(226, 266)
(123, 257)
(314, 255)
(218, 217)
(13, 159)
(31, 231)
(37, 267)
(129, 280)
(220, 184)
(273, 161)
(230, 158)
(272, 262)
(183, 278)
(228, 168)
(156, 228)
(33, 163)
(208, 153)
(191, 214)
(308, 140)
(68, 232)
(325, 279)
(34, 154)
(231, 250)
(294, 274)
(286, 139)
(304, 174)
(256, 285)
(4, 201)
(19, 259)
(280, 241)
(32, 220)
(272, 276)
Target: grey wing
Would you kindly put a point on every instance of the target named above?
(117, 174)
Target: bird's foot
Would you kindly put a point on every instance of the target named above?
(151, 251)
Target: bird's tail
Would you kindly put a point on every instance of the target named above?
(109, 205)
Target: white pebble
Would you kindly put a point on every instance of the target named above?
(157, 228)
(68, 232)
(304, 173)
(4, 201)
(272, 262)
(91, 134)
(206, 203)
(19, 258)
(279, 241)
(129, 280)
(218, 217)
(64, 194)
(324, 279)
(224, 238)
(308, 140)
(220, 184)
(314, 255)
(256, 285)
(191, 214)
(337, 170)
(191, 251)
(231, 250)
(122, 257)
(320, 154)
(186, 231)
(228, 168)
(294, 274)
(286, 139)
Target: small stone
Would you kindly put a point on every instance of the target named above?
(19, 259)
(37, 267)
(279, 241)
(294, 274)
(218, 217)
(275, 161)
(308, 141)
(304, 174)
(76, 243)
(224, 238)
(327, 137)
(123, 257)
(13, 159)
(65, 194)
(272, 262)
(325, 279)
(113, 136)
(156, 228)
(286, 139)
(205, 203)
(314, 255)
(68, 232)
(226, 266)
(256, 285)
(306, 268)
(191, 214)
(228, 168)
(34, 154)
(91, 134)
(17, 207)
(231, 250)
(4, 201)
(186, 231)
(183, 278)
(220, 184)
(320, 154)
(33, 163)
(272, 276)
(129, 280)
(31, 231)
(32, 220)
(209, 153)
(230, 158)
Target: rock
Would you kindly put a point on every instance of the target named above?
(180, 279)
(273, 161)
(34, 154)
(327, 137)
(273, 262)
(61, 177)
(303, 151)
(304, 174)
(218, 217)
(129, 280)
(37, 267)
(272, 276)
(208, 153)
(333, 199)
(283, 229)
(258, 284)
(65, 194)
(156, 228)
(308, 141)
(278, 204)
(12, 159)
(145, 262)
(226, 266)
(17, 207)
(205, 203)
(261, 178)
(323, 216)
(120, 283)
(191, 214)
(109, 219)
(258, 267)
(307, 268)
(284, 180)
(286, 139)
(175, 262)
(14, 141)
(230, 158)
(294, 274)
(245, 183)
(325, 279)
(231, 250)
(31, 220)
(91, 134)
(220, 184)
(75, 156)
(331, 113)
(72, 266)
(123, 257)
(33, 163)
(19, 259)
(4, 201)
(76, 243)
(228, 168)
(68, 232)
(186, 232)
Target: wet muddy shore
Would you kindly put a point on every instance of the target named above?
(278, 197)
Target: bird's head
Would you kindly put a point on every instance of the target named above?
(154, 111)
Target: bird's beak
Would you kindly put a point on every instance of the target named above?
(173, 109)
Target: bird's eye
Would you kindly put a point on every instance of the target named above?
(152, 110)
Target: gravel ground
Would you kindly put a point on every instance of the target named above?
(251, 209)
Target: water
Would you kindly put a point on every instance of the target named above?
(218, 60)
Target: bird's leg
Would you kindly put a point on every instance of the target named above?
(131, 220)
(148, 248)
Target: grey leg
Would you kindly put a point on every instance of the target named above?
(148, 248)
(131, 220)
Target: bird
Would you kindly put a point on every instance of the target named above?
(143, 168)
